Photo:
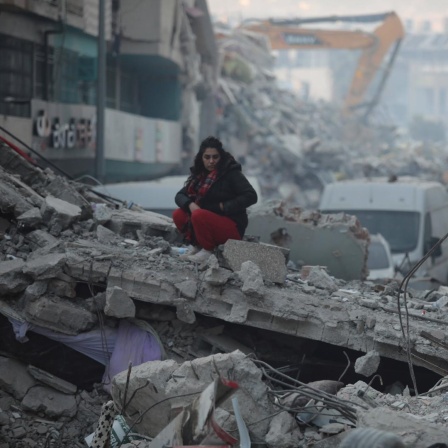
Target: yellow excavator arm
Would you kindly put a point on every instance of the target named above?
(374, 46)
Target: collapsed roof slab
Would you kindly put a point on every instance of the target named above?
(358, 321)
(336, 241)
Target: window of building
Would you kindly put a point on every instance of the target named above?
(16, 76)
(65, 75)
(40, 76)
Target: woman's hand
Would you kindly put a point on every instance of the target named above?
(193, 206)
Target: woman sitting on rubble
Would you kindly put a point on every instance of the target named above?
(213, 201)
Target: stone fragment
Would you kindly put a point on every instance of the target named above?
(188, 288)
(45, 267)
(317, 276)
(59, 314)
(369, 303)
(52, 403)
(11, 201)
(105, 235)
(415, 432)
(268, 258)
(367, 365)
(332, 428)
(184, 312)
(57, 212)
(35, 290)
(14, 377)
(118, 303)
(215, 275)
(31, 218)
(40, 238)
(62, 189)
(126, 221)
(62, 288)
(102, 213)
(12, 278)
(15, 163)
(252, 278)
(283, 432)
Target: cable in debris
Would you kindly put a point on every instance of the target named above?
(140, 418)
(348, 366)
(124, 404)
(343, 406)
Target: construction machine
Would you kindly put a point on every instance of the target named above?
(287, 34)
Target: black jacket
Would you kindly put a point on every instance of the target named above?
(232, 189)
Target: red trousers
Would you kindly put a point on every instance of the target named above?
(210, 229)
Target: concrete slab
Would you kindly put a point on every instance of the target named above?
(60, 315)
(268, 258)
(335, 241)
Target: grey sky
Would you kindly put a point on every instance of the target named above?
(434, 10)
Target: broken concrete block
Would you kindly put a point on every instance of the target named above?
(11, 201)
(31, 218)
(12, 278)
(367, 365)
(336, 241)
(52, 403)
(52, 381)
(40, 238)
(13, 162)
(218, 343)
(101, 213)
(105, 235)
(37, 289)
(413, 431)
(184, 312)
(14, 377)
(118, 303)
(60, 213)
(62, 189)
(45, 267)
(59, 314)
(169, 379)
(268, 258)
(283, 432)
(217, 276)
(188, 288)
(62, 288)
(317, 276)
(127, 221)
(252, 278)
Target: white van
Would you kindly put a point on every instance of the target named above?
(155, 195)
(411, 214)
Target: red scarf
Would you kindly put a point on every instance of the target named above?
(199, 186)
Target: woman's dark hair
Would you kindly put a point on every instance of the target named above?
(210, 142)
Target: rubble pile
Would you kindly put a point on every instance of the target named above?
(35, 414)
(107, 281)
(294, 146)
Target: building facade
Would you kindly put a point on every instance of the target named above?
(161, 75)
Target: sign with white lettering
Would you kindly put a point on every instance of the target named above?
(74, 133)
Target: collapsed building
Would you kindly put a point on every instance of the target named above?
(294, 146)
(90, 288)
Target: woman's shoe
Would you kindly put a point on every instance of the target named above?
(201, 256)
(191, 250)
